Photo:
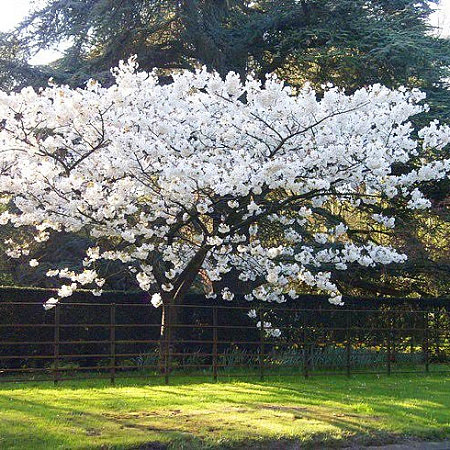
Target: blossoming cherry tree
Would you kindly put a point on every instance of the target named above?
(212, 179)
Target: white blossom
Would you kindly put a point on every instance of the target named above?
(67, 290)
(156, 300)
(388, 222)
(268, 329)
(144, 281)
(50, 303)
(227, 294)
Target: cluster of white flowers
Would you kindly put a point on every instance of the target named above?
(388, 222)
(269, 331)
(176, 179)
(267, 327)
(227, 294)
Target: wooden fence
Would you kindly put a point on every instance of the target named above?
(100, 340)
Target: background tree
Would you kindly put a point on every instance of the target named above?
(349, 43)
(165, 34)
(15, 70)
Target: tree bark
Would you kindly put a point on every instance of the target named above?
(169, 336)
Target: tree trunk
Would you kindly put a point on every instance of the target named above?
(169, 335)
(170, 330)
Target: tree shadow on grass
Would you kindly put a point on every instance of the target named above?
(330, 412)
(26, 424)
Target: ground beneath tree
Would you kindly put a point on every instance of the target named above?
(281, 414)
(413, 445)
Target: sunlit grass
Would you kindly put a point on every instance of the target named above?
(196, 414)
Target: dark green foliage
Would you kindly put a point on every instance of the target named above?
(354, 43)
(15, 71)
(61, 251)
(348, 42)
(165, 34)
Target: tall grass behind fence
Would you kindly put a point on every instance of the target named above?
(112, 340)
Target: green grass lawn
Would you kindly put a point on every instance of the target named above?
(321, 412)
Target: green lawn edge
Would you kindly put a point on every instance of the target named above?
(191, 413)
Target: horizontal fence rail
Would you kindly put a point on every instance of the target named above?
(101, 340)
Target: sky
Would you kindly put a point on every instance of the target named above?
(15, 10)
(441, 18)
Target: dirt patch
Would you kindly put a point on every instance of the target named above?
(285, 408)
(151, 428)
(151, 446)
(93, 432)
(133, 415)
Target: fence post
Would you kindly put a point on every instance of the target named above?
(394, 335)
(261, 346)
(389, 331)
(214, 343)
(56, 345)
(167, 320)
(305, 346)
(437, 327)
(426, 343)
(348, 344)
(112, 338)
